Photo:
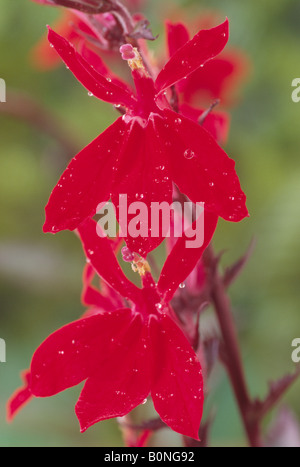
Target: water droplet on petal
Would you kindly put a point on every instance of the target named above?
(90, 94)
(189, 154)
(182, 285)
(144, 401)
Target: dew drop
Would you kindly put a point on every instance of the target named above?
(158, 306)
(90, 94)
(211, 184)
(182, 285)
(144, 401)
(189, 154)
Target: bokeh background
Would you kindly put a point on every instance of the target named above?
(40, 275)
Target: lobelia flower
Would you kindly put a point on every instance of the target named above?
(210, 84)
(101, 31)
(98, 24)
(68, 25)
(98, 302)
(125, 354)
(217, 79)
(148, 149)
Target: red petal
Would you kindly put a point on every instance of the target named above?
(177, 36)
(122, 384)
(204, 46)
(142, 175)
(76, 351)
(86, 182)
(20, 397)
(181, 261)
(97, 84)
(45, 58)
(100, 253)
(98, 64)
(200, 168)
(105, 301)
(218, 79)
(216, 123)
(177, 391)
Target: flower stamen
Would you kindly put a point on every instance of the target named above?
(133, 57)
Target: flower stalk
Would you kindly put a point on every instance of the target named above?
(231, 355)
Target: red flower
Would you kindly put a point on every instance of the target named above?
(148, 148)
(217, 79)
(68, 25)
(126, 354)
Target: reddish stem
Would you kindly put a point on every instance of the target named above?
(232, 361)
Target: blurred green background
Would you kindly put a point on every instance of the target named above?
(40, 275)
